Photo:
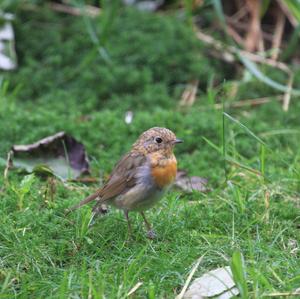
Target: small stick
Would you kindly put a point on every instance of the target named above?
(253, 37)
(88, 10)
(187, 282)
(287, 95)
(189, 94)
(231, 51)
(267, 205)
(285, 294)
(8, 164)
(134, 288)
(251, 102)
(244, 27)
(278, 33)
(235, 35)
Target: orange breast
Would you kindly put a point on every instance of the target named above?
(164, 174)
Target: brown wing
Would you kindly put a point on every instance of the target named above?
(122, 178)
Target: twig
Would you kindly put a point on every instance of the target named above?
(231, 31)
(285, 294)
(288, 14)
(239, 14)
(241, 26)
(74, 187)
(189, 94)
(187, 282)
(278, 33)
(134, 288)
(224, 52)
(287, 95)
(234, 163)
(231, 51)
(251, 102)
(8, 164)
(226, 56)
(88, 10)
(256, 58)
(253, 39)
(267, 205)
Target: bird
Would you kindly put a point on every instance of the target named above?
(140, 178)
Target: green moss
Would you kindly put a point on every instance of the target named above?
(149, 57)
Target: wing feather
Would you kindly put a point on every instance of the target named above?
(122, 178)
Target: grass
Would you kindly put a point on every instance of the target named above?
(253, 215)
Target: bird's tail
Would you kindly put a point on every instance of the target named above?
(85, 201)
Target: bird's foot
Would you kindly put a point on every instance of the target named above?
(151, 234)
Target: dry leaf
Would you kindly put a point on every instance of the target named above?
(217, 283)
(189, 184)
(60, 155)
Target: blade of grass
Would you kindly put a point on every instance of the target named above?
(280, 156)
(213, 145)
(252, 68)
(238, 269)
(223, 139)
(238, 164)
(292, 45)
(262, 159)
(187, 282)
(217, 4)
(245, 128)
(264, 7)
(294, 8)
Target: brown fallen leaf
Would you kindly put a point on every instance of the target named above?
(60, 155)
(189, 184)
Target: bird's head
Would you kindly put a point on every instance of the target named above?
(156, 140)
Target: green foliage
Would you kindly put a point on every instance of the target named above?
(23, 189)
(150, 58)
(238, 269)
(7, 99)
(294, 8)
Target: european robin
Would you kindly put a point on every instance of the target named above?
(141, 177)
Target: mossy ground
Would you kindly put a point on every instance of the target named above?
(64, 84)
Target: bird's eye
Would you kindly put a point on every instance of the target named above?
(158, 140)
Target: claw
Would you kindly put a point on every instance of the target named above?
(151, 235)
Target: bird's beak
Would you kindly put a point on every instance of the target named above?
(178, 141)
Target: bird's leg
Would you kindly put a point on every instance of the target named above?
(150, 233)
(128, 224)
